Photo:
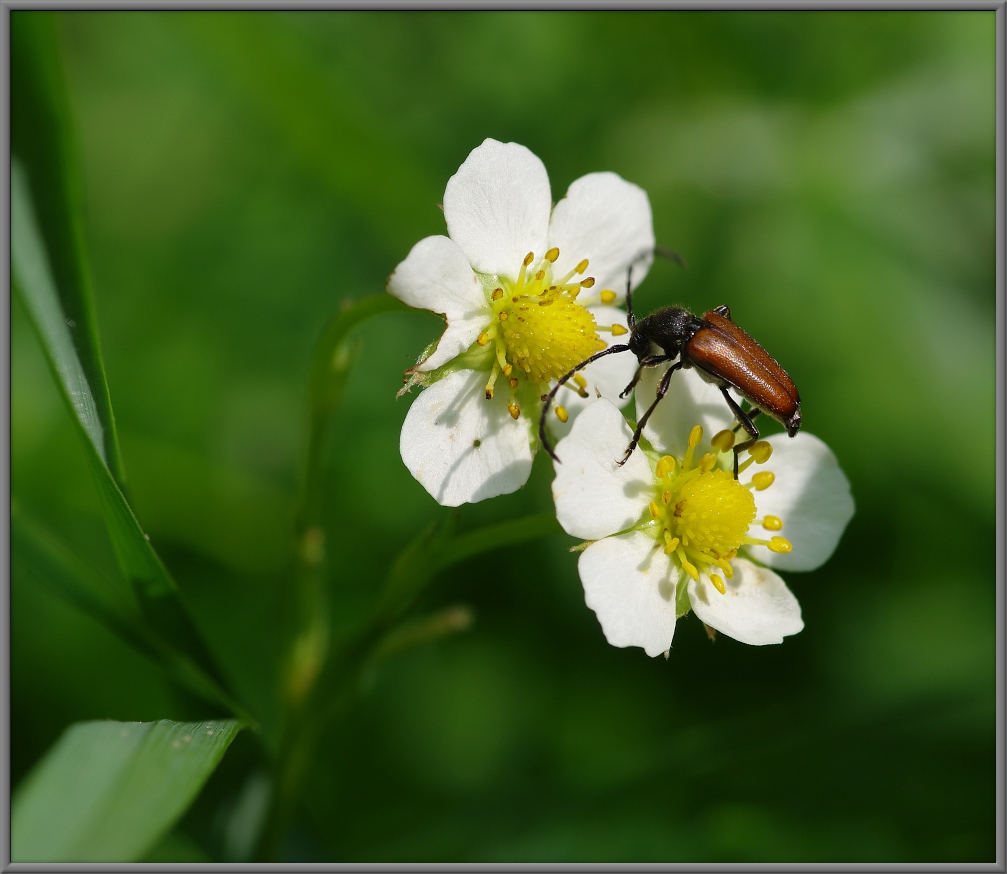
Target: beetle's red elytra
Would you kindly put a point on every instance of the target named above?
(722, 353)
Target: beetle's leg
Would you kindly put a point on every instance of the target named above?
(649, 361)
(752, 413)
(561, 382)
(745, 421)
(662, 390)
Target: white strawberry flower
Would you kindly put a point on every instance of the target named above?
(673, 531)
(528, 292)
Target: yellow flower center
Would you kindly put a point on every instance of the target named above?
(539, 329)
(703, 515)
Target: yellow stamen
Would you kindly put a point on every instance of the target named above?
(552, 255)
(587, 283)
(665, 466)
(655, 511)
(708, 462)
(514, 410)
(666, 497)
(670, 543)
(528, 258)
(512, 382)
(580, 379)
(760, 451)
(763, 480)
(581, 267)
(608, 296)
(772, 523)
(723, 441)
(780, 545)
(497, 293)
(719, 583)
(618, 330)
(503, 316)
(562, 414)
(508, 369)
(687, 565)
(695, 436)
(482, 339)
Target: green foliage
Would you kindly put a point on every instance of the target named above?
(107, 791)
(235, 178)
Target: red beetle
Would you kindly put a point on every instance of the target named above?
(721, 353)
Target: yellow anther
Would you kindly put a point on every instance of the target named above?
(514, 410)
(772, 523)
(687, 565)
(719, 583)
(587, 283)
(503, 317)
(665, 466)
(780, 545)
(508, 369)
(513, 382)
(552, 255)
(728, 568)
(580, 379)
(580, 268)
(655, 511)
(723, 441)
(695, 436)
(670, 543)
(760, 451)
(608, 296)
(540, 275)
(489, 392)
(562, 414)
(528, 258)
(708, 462)
(763, 480)
(666, 497)
(482, 339)
(497, 293)
(618, 330)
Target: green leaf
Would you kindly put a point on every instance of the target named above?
(108, 791)
(35, 550)
(50, 275)
(42, 141)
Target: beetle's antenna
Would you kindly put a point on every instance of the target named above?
(671, 255)
(620, 347)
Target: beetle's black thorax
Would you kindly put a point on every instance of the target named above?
(670, 329)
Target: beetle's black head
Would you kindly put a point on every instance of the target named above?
(669, 328)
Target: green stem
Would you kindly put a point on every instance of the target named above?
(432, 551)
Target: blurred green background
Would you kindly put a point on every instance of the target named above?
(829, 175)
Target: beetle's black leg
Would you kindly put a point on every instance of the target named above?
(752, 413)
(745, 421)
(649, 361)
(560, 383)
(662, 390)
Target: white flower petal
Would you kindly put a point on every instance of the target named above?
(629, 584)
(461, 447)
(608, 376)
(690, 401)
(607, 220)
(594, 496)
(497, 207)
(757, 608)
(436, 276)
(810, 494)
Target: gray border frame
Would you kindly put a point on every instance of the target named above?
(999, 6)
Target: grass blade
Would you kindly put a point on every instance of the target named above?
(108, 791)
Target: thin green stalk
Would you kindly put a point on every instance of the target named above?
(431, 552)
